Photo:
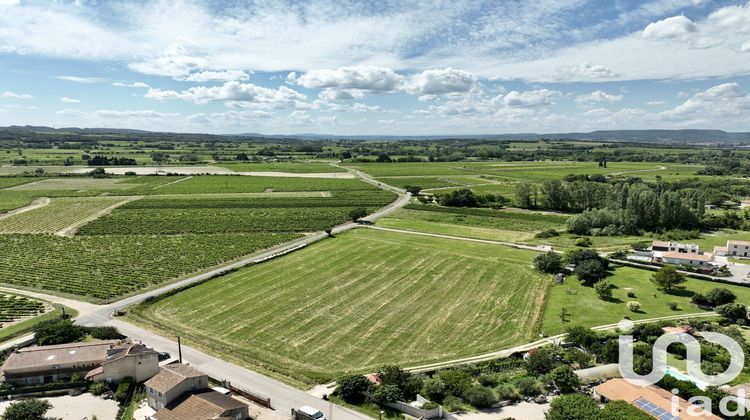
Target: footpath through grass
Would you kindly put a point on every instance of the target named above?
(358, 301)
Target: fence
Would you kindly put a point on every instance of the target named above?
(263, 401)
(433, 413)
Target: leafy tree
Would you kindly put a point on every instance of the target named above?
(603, 289)
(105, 333)
(720, 296)
(30, 409)
(480, 397)
(413, 189)
(528, 386)
(352, 387)
(565, 379)
(98, 388)
(544, 359)
(618, 410)
(459, 198)
(732, 311)
(407, 383)
(387, 394)
(357, 214)
(58, 331)
(456, 381)
(634, 306)
(573, 407)
(581, 336)
(526, 195)
(548, 262)
(242, 156)
(668, 279)
(590, 271)
(577, 256)
(159, 157)
(554, 195)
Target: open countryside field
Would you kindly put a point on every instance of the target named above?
(60, 213)
(294, 167)
(586, 309)
(357, 301)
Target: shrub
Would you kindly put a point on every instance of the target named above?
(573, 407)
(434, 389)
(634, 306)
(351, 388)
(453, 404)
(507, 392)
(732, 311)
(720, 296)
(547, 233)
(631, 294)
(590, 271)
(603, 289)
(456, 381)
(105, 333)
(564, 378)
(488, 380)
(122, 391)
(98, 388)
(407, 383)
(58, 331)
(548, 262)
(357, 214)
(668, 279)
(429, 405)
(673, 306)
(28, 409)
(480, 396)
(528, 386)
(583, 242)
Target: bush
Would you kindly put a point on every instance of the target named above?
(528, 386)
(732, 311)
(720, 296)
(28, 409)
(453, 404)
(573, 407)
(508, 392)
(98, 388)
(547, 233)
(480, 397)
(631, 294)
(564, 379)
(122, 391)
(548, 262)
(58, 331)
(105, 333)
(407, 383)
(634, 306)
(429, 405)
(352, 387)
(434, 389)
(456, 381)
(673, 306)
(603, 289)
(590, 271)
(583, 242)
(387, 394)
(488, 380)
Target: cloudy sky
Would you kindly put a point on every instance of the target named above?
(385, 67)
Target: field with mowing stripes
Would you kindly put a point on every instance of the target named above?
(357, 301)
(57, 215)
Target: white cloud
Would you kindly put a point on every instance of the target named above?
(598, 96)
(79, 79)
(340, 94)
(583, 71)
(230, 91)
(745, 47)
(131, 85)
(223, 76)
(387, 122)
(441, 81)
(669, 28)
(530, 98)
(67, 100)
(364, 77)
(13, 95)
(724, 101)
(112, 114)
(655, 103)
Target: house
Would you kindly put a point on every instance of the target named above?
(179, 391)
(204, 405)
(695, 260)
(738, 248)
(675, 247)
(171, 382)
(134, 360)
(46, 364)
(651, 399)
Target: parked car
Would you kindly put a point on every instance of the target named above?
(164, 356)
(313, 412)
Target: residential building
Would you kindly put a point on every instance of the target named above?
(651, 399)
(675, 247)
(679, 258)
(738, 249)
(134, 360)
(204, 405)
(171, 382)
(45, 364)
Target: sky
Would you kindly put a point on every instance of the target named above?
(387, 67)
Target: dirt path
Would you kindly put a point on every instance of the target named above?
(540, 248)
(658, 168)
(173, 182)
(69, 231)
(37, 203)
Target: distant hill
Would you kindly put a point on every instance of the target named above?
(627, 136)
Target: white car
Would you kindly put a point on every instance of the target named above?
(313, 412)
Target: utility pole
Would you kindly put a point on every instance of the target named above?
(179, 349)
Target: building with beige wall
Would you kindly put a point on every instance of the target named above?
(171, 382)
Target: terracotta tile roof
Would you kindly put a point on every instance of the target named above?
(44, 357)
(686, 256)
(172, 375)
(620, 389)
(200, 405)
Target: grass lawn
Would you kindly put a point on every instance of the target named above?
(587, 309)
(353, 303)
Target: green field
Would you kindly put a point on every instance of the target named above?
(295, 167)
(74, 184)
(112, 266)
(588, 310)
(243, 184)
(357, 301)
(60, 213)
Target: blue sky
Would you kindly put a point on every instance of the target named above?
(387, 67)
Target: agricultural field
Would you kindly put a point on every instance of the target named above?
(7, 182)
(293, 167)
(108, 267)
(13, 308)
(586, 309)
(244, 184)
(357, 301)
(60, 213)
(75, 184)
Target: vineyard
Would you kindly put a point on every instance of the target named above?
(6, 182)
(226, 215)
(112, 266)
(13, 308)
(74, 184)
(58, 214)
(243, 184)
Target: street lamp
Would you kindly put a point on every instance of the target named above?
(380, 415)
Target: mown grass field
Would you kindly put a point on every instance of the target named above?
(587, 309)
(358, 301)
(295, 167)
